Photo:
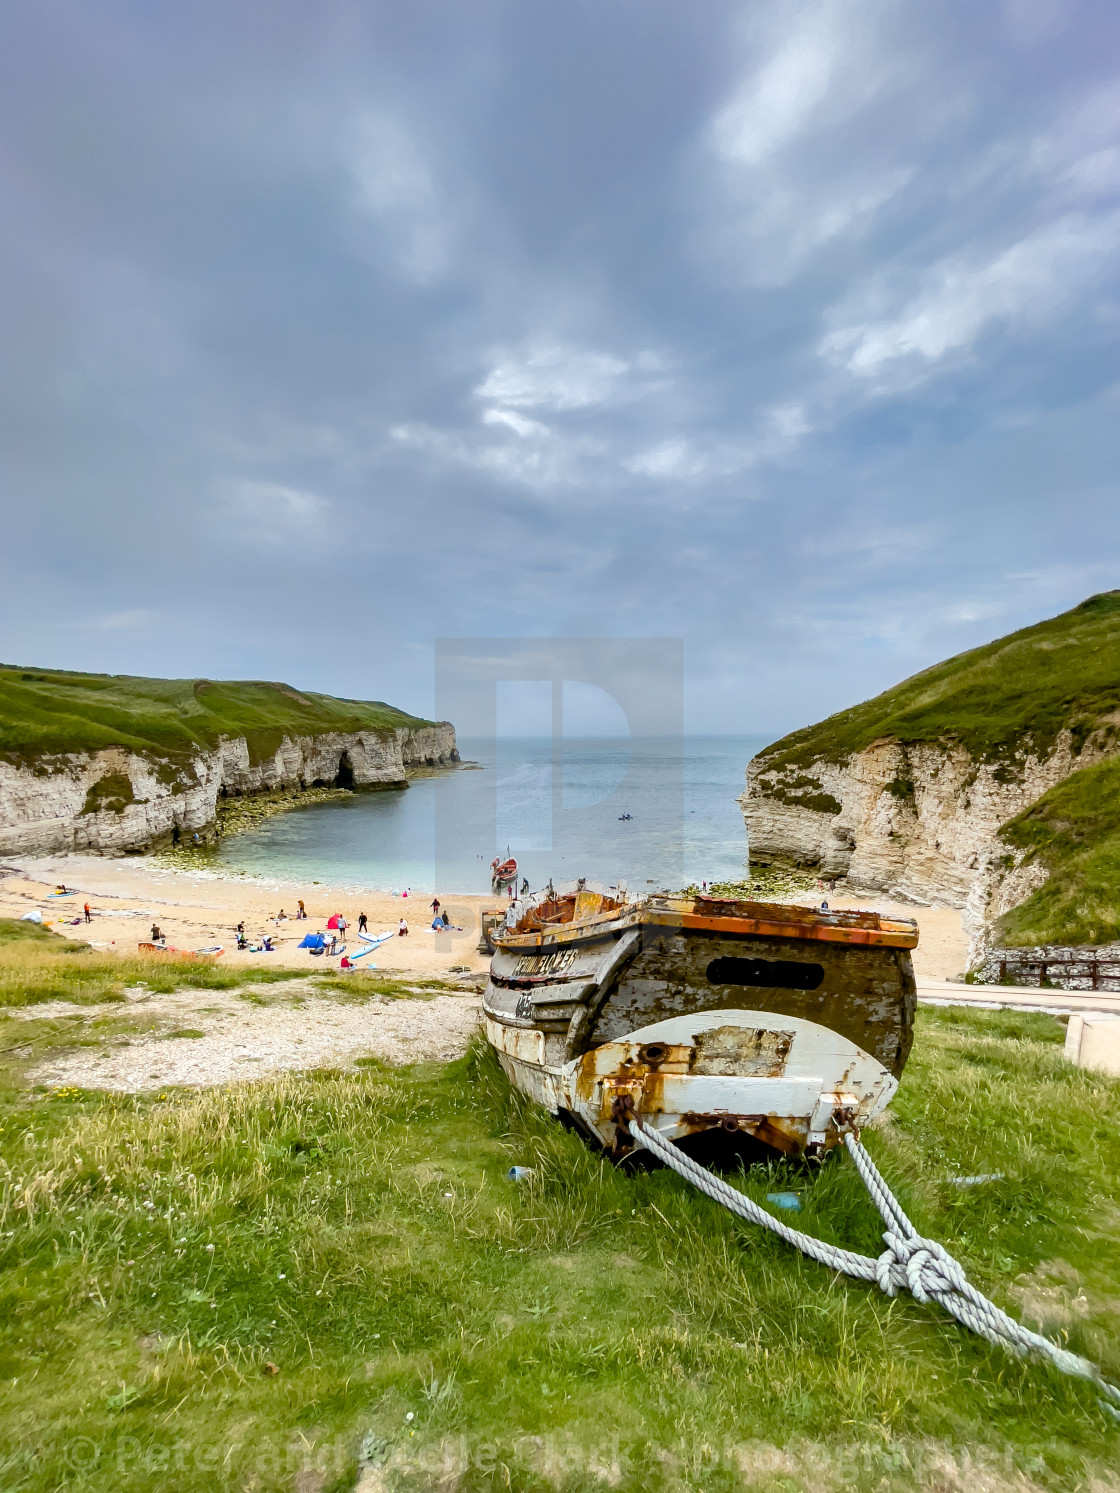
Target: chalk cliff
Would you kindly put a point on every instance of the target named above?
(910, 793)
(114, 801)
(117, 763)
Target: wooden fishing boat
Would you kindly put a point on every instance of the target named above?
(503, 873)
(701, 1015)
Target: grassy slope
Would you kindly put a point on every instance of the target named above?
(1074, 830)
(1002, 699)
(377, 1288)
(37, 965)
(43, 711)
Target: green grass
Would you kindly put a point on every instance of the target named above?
(263, 1287)
(1001, 701)
(36, 965)
(47, 711)
(765, 884)
(1074, 831)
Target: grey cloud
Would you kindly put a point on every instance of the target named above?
(787, 331)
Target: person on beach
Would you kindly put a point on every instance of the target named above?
(281, 916)
(402, 929)
(301, 913)
(363, 922)
(444, 919)
(435, 907)
(87, 913)
(157, 936)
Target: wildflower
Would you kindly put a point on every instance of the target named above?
(210, 1249)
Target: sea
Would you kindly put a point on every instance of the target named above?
(640, 812)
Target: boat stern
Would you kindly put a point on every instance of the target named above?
(790, 1083)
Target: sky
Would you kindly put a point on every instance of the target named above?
(787, 330)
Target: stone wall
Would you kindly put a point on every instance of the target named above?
(1066, 967)
(116, 801)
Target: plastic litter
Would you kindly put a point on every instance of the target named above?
(788, 1200)
(977, 1180)
(519, 1173)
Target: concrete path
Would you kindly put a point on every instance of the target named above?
(1018, 998)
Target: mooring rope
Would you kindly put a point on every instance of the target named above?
(909, 1262)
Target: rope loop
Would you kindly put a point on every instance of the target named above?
(921, 1266)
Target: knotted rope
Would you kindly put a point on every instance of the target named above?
(920, 1266)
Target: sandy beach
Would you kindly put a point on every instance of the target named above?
(196, 909)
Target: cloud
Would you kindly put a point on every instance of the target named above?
(135, 617)
(1024, 284)
(778, 431)
(795, 172)
(556, 377)
(520, 424)
(824, 68)
(551, 322)
(270, 508)
(396, 186)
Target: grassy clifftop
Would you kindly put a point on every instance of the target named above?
(1000, 701)
(44, 711)
(1074, 831)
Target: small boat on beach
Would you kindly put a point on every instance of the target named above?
(503, 873)
(207, 955)
(703, 1016)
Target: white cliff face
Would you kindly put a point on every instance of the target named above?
(918, 820)
(116, 801)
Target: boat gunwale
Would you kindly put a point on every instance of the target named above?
(889, 934)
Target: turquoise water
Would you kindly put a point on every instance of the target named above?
(556, 807)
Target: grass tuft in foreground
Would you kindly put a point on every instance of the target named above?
(328, 1277)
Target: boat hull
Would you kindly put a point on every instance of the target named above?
(787, 1082)
(782, 1025)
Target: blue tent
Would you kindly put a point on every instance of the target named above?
(312, 941)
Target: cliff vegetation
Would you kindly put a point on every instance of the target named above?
(1002, 702)
(44, 712)
(1074, 831)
